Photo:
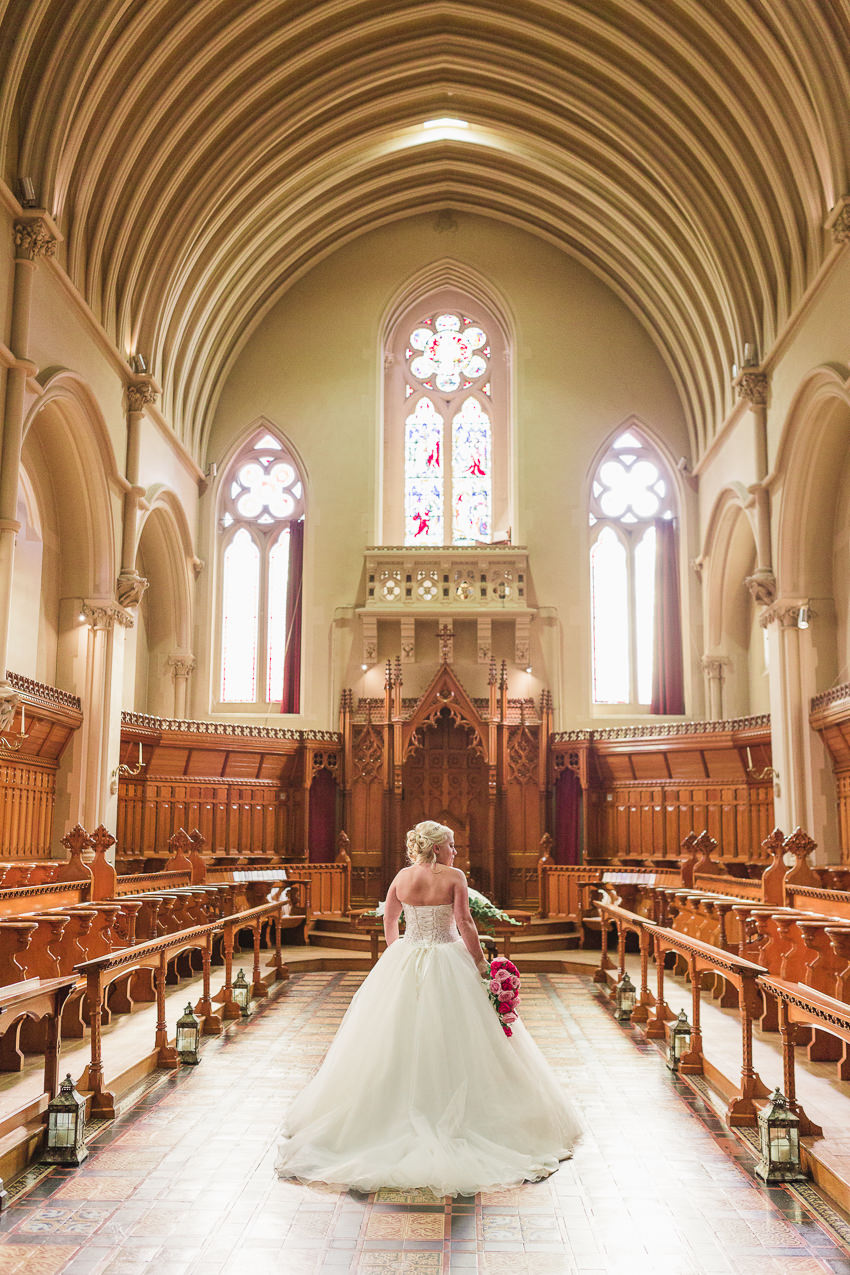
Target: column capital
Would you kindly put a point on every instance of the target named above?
(181, 663)
(786, 613)
(9, 701)
(714, 665)
(35, 235)
(142, 392)
(105, 613)
(838, 221)
(751, 385)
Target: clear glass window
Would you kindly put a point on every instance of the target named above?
(261, 496)
(629, 491)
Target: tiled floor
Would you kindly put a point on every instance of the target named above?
(184, 1182)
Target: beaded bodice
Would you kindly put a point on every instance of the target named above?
(429, 924)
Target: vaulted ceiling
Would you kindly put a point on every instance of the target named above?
(199, 155)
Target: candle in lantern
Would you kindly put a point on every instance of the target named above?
(23, 719)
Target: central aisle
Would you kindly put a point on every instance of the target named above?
(184, 1182)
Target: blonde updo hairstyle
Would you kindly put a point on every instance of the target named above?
(422, 842)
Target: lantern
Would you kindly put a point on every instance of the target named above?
(242, 993)
(66, 1122)
(679, 1041)
(779, 1134)
(188, 1037)
(625, 998)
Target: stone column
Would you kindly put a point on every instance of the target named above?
(97, 743)
(182, 666)
(714, 668)
(36, 236)
(130, 586)
(799, 756)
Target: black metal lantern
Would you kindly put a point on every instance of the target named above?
(66, 1123)
(242, 993)
(188, 1037)
(779, 1135)
(625, 998)
(679, 1041)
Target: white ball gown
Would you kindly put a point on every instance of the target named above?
(421, 1087)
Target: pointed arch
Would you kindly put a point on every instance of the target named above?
(428, 495)
(259, 494)
(635, 575)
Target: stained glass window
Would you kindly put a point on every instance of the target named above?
(471, 476)
(448, 354)
(423, 467)
(629, 491)
(261, 496)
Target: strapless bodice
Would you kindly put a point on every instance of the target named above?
(429, 924)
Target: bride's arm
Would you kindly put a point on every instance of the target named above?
(392, 911)
(465, 923)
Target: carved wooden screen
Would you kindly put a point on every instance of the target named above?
(445, 779)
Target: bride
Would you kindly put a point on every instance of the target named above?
(421, 1087)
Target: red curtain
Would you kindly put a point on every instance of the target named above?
(322, 815)
(668, 683)
(567, 818)
(291, 702)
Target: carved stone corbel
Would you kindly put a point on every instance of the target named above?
(762, 587)
(751, 385)
(35, 238)
(130, 588)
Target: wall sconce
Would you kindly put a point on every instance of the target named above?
(139, 364)
(26, 192)
(803, 616)
(123, 771)
(750, 356)
(13, 746)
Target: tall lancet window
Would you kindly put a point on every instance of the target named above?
(446, 429)
(635, 620)
(260, 520)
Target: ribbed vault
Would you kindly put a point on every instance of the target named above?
(200, 154)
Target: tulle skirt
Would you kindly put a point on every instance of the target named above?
(421, 1088)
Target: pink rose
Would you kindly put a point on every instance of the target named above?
(503, 976)
(494, 987)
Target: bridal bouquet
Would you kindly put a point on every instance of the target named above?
(503, 989)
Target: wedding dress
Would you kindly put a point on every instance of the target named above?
(421, 1087)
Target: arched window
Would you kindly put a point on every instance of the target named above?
(261, 520)
(635, 622)
(446, 425)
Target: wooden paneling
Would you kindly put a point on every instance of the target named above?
(245, 788)
(235, 816)
(830, 716)
(28, 776)
(651, 820)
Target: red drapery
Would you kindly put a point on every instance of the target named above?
(291, 702)
(567, 817)
(668, 683)
(322, 815)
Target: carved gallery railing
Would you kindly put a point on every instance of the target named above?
(156, 955)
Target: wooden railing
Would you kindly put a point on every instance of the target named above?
(700, 958)
(141, 881)
(155, 955)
